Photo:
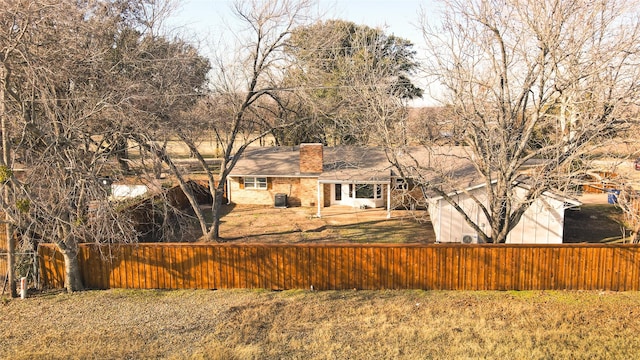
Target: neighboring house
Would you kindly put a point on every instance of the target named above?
(542, 222)
(314, 175)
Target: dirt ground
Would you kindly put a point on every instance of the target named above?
(596, 221)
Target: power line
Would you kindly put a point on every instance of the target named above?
(195, 94)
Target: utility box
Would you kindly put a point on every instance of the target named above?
(281, 200)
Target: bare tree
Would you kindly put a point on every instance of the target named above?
(67, 88)
(244, 85)
(628, 200)
(530, 82)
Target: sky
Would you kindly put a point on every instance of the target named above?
(400, 17)
(207, 20)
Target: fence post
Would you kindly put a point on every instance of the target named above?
(23, 287)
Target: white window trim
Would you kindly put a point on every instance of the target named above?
(376, 193)
(255, 183)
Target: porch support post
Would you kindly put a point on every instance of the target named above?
(228, 191)
(319, 214)
(389, 201)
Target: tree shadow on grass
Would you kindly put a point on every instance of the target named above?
(593, 223)
(374, 231)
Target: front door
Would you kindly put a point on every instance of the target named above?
(340, 194)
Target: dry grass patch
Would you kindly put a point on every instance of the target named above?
(244, 324)
(242, 223)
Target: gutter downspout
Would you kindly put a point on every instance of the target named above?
(319, 214)
(389, 201)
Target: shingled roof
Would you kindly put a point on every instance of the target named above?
(339, 163)
(364, 164)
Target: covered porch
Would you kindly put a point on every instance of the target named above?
(356, 194)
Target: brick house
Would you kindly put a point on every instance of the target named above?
(315, 176)
(312, 175)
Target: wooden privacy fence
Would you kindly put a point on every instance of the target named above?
(3, 267)
(350, 266)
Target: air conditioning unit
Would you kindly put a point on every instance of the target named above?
(280, 200)
(469, 238)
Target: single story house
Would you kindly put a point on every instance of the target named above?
(316, 176)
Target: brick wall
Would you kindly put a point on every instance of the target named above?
(299, 191)
(289, 186)
(309, 192)
(311, 158)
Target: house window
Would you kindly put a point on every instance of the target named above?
(255, 182)
(338, 189)
(364, 191)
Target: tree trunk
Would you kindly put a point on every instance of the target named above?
(214, 232)
(122, 153)
(11, 251)
(73, 278)
(5, 161)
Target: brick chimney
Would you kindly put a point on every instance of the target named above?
(311, 158)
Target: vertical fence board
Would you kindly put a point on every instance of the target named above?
(125, 271)
(269, 266)
(615, 269)
(216, 268)
(149, 268)
(289, 266)
(334, 267)
(252, 268)
(192, 267)
(585, 268)
(632, 276)
(135, 268)
(208, 267)
(199, 279)
(115, 281)
(226, 259)
(180, 276)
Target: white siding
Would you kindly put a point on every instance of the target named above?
(542, 223)
(121, 191)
